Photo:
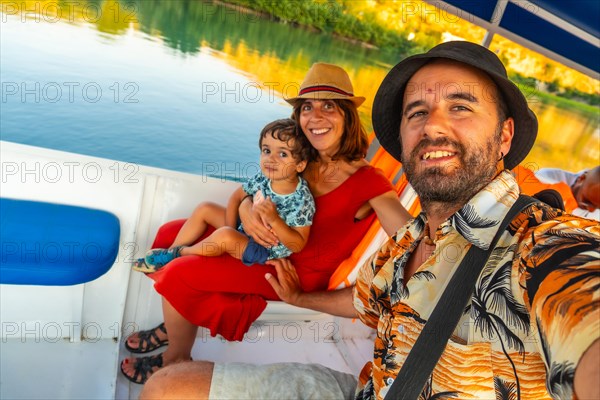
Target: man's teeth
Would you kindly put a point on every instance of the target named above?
(436, 154)
(320, 131)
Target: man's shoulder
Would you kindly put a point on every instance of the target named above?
(542, 225)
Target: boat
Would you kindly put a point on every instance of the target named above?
(63, 336)
(66, 338)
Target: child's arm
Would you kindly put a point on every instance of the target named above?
(231, 213)
(294, 238)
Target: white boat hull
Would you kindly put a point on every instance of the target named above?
(67, 341)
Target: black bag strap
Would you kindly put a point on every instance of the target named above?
(430, 344)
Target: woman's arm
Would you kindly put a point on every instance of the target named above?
(391, 213)
(254, 226)
(287, 286)
(231, 212)
(294, 238)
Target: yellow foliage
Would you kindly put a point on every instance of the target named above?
(111, 16)
(417, 16)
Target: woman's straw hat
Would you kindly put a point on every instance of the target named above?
(326, 81)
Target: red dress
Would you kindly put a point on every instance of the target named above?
(225, 296)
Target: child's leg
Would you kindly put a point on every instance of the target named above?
(223, 240)
(205, 214)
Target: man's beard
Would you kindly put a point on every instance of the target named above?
(453, 184)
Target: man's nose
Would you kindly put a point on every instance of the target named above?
(436, 123)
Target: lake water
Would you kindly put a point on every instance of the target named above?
(187, 85)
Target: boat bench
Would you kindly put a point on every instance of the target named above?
(281, 311)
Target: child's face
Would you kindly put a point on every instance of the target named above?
(277, 161)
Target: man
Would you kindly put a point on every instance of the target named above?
(585, 186)
(531, 329)
(579, 192)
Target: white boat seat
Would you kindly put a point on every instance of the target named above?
(281, 311)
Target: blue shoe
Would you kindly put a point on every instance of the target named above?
(141, 266)
(158, 258)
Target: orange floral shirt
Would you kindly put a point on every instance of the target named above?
(534, 311)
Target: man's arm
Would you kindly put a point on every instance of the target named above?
(287, 286)
(587, 373)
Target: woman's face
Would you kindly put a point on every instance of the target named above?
(322, 121)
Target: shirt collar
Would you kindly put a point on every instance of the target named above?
(478, 220)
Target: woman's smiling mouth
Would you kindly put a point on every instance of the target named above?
(319, 131)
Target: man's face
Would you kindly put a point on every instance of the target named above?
(587, 190)
(452, 138)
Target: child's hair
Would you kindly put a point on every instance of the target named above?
(287, 131)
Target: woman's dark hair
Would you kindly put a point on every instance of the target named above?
(287, 131)
(354, 142)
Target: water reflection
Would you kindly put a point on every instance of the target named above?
(208, 78)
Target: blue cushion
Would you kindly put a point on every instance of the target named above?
(55, 244)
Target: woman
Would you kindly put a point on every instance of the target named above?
(222, 294)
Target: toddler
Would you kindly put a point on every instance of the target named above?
(280, 194)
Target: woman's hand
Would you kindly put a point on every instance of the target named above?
(286, 284)
(253, 225)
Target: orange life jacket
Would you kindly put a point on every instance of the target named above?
(530, 185)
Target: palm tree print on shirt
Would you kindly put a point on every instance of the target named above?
(496, 311)
(505, 390)
(428, 393)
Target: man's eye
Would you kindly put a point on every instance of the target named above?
(416, 114)
(461, 108)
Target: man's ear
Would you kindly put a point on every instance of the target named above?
(506, 135)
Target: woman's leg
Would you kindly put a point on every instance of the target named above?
(223, 240)
(181, 334)
(205, 214)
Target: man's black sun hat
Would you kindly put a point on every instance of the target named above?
(387, 106)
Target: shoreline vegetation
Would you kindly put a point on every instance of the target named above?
(362, 27)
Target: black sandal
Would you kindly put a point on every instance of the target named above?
(149, 340)
(143, 368)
